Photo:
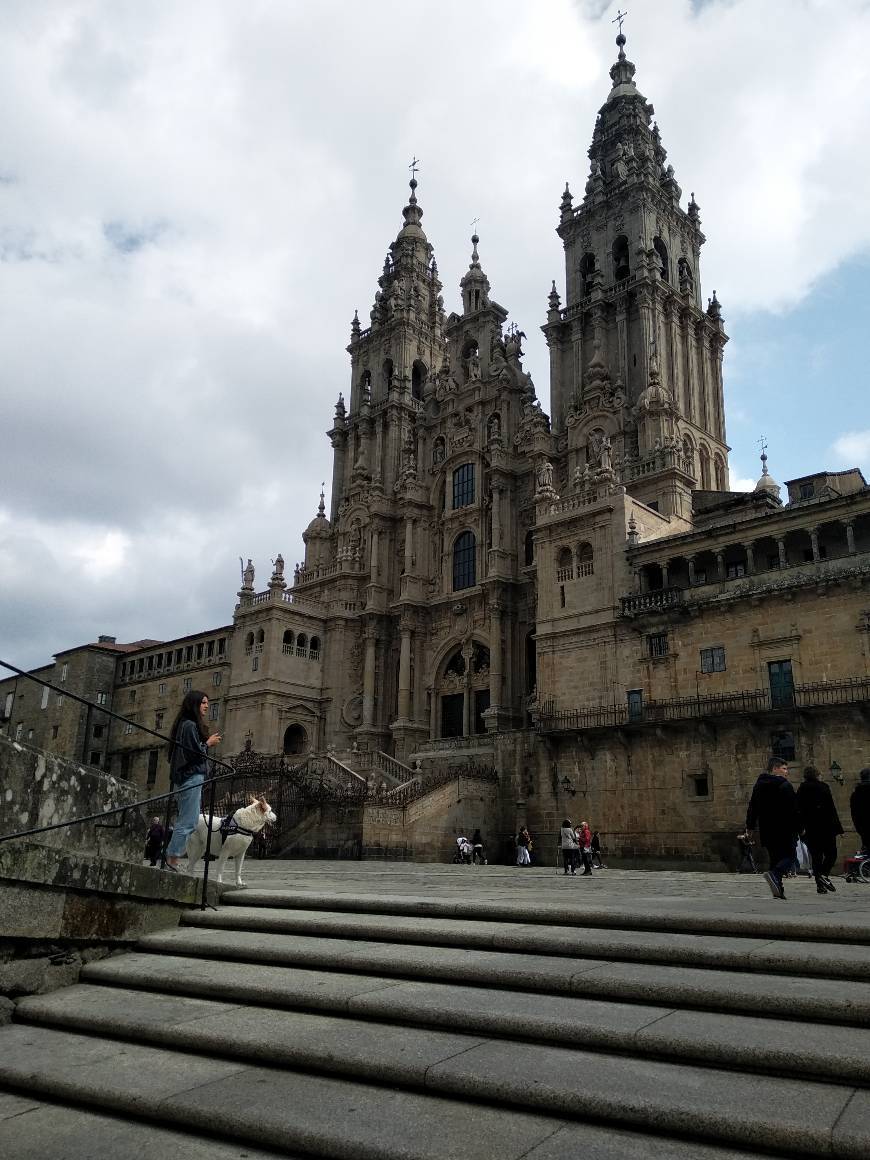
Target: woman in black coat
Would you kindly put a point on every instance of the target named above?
(820, 826)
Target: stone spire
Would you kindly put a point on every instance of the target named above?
(474, 283)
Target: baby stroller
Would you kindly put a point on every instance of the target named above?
(857, 868)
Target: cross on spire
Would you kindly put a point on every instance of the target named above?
(474, 222)
(618, 19)
(414, 166)
(762, 443)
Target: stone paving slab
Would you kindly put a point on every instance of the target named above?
(579, 1142)
(816, 958)
(267, 1107)
(753, 917)
(768, 1112)
(297, 1039)
(55, 1132)
(801, 997)
(383, 1053)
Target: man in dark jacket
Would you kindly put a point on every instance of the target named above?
(773, 811)
(820, 826)
(859, 803)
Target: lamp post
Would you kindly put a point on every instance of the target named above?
(836, 772)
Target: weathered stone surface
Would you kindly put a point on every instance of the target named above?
(49, 1132)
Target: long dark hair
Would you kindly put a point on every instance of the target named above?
(189, 711)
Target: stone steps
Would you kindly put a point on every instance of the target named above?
(362, 1032)
(31, 1129)
(820, 959)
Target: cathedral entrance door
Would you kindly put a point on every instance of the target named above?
(451, 714)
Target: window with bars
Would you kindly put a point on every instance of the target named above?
(464, 572)
(463, 485)
(657, 645)
(713, 660)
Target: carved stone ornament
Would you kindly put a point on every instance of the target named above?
(352, 711)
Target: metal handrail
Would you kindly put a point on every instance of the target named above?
(167, 797)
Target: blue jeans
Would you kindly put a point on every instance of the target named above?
(189, 801)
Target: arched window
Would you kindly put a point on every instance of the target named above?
(704, 459)
(418, 379)
(314, 648)
(664, 265)
(585, 560)
(295, 739)
(249, 642)
(387, 375)
(529, 546)
(261, 636)
(463, 485)
(287, 643)
(455, 667)
(365, 383)
(587, 269)
(301, 644)
(564, 565)
(464, 570)
(719, 470)
(621, 267)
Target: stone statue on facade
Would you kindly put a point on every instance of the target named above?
(248, 577)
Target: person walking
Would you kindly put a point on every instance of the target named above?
(189, 743)
(154, 841)
(595, 851)
(773, 812)
(524, 844)
(584, 843)
(568, 842)
(859, 807)
(820, 826)
(478, 853)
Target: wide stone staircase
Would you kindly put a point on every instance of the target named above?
(343, 1025)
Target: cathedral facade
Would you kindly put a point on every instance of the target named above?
(578, 598)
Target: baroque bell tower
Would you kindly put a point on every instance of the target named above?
(634, 356)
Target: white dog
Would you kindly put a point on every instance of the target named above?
(229, 842)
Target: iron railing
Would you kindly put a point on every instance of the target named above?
(818, 694)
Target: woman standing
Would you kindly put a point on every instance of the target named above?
(584, 839)
(568, 842)
(189, 743)
(820, 826)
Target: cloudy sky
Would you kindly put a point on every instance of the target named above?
(196, 194)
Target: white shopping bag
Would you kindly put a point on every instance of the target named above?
(805, 864)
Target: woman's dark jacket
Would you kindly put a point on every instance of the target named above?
(859, 804)
(817, 813)
(188, 754)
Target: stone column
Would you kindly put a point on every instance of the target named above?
(496, 516)
(405, 675)
(375, 562)
(814, 541)
(850, 537)
(720, 564)
(691, 562)
(666, 578)
(495, 656)
(750, 559)
(369, 673)
(409, 545)
(780, 544)
(468, 697)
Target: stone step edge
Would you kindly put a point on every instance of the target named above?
(752, 1059)
(793, 962)
(472, 974)
(773, 926)
(720, 1131)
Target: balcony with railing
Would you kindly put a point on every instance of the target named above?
(656, 600)
(742, 703)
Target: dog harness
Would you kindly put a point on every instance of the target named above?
(229, 826)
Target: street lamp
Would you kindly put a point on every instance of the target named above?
(837, 773)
